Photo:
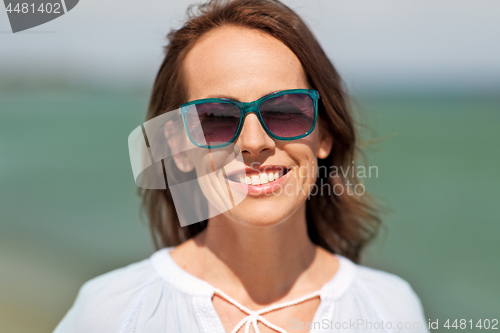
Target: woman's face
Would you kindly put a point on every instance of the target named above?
(245, 64)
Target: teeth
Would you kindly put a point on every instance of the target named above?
(255, 180)
(259, 179)
(263, 178)
(271, 177)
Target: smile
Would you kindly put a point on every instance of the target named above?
(255, 179)
(261, 181)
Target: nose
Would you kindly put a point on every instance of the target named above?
(253, 138)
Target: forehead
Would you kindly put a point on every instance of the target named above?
(240, 63)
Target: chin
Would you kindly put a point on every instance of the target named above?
(262, 214)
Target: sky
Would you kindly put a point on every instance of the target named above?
(376, 45)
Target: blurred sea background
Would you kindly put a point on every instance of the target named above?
(426, 79)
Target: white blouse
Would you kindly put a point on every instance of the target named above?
(156, 295)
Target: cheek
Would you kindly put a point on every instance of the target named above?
(202, 161)
(304, 156)
(304, 151)
(308, 167)
(210, 180)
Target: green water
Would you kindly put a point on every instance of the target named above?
(69, 212)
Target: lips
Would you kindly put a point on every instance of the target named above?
(260, 176)
(270, 187)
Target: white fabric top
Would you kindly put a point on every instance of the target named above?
(156, 295)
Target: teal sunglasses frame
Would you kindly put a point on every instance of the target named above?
(251, 107)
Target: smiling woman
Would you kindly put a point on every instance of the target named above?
(249, 77)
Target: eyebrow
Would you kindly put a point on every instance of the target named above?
(219, 96)
(235, 99)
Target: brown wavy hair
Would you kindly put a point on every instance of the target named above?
(343, 223)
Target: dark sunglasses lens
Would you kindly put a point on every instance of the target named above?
(288, 116)
(213, 123)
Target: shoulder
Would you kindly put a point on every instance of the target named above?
(392, 296)
(124, 278)
(103, 301)
(382, 282)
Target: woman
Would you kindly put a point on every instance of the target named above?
(275, 261)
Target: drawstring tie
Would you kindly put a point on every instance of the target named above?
(253, 317)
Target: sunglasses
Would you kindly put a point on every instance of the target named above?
(217, 122)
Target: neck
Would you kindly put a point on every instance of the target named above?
(266, 261)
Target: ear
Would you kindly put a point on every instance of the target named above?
(325, 143)
(183, 162)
